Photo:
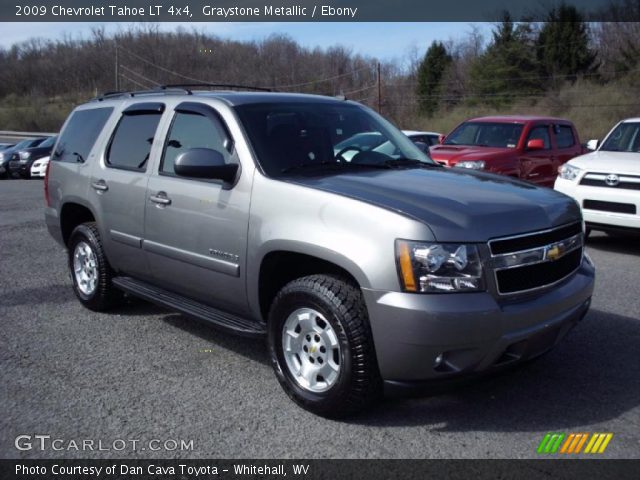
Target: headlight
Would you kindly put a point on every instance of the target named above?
(568, 172)
(25, 155)
(1, 157)
(439, 267)
(474, 165)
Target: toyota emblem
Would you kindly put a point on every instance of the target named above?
(612, 180)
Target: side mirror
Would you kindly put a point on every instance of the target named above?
(205, 163)
(593, 144)
(441, 139)
(535, 144)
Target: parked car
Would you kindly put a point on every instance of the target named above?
(428, 138)
(386, 272)
(5, 155)
(4, 146)
(606, 182)
(39, 167)
(526, 147)
(22, 160)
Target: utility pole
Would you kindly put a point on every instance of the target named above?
(117, 67)
(379, 90)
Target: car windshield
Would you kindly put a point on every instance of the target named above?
(624, 138)
(325, 137)
(48, 142)
(486, 134)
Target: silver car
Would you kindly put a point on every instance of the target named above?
(367, 270)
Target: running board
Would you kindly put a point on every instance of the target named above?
(174, 301)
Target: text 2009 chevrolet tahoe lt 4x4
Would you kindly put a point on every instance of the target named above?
(367, 270)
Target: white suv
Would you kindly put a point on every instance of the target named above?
(606, 182)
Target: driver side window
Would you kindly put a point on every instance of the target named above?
(191, 130)
(541, 132)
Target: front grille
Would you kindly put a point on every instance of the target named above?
(626, 182)
(534, 240)
(534, 276)
(614, 207)
(536, 260)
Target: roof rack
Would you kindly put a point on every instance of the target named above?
(177, 88)
(228, 86)
(161, 89)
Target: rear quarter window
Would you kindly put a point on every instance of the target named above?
(80, 134)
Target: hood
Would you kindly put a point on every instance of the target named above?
(458, 206)
(609, 162)
(452, 154)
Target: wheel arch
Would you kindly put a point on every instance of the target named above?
(279, 266)
(72, 214)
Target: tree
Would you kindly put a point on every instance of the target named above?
(563, 44)
(430, 73)
(508, 67)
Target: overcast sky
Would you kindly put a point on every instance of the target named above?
(385, 41)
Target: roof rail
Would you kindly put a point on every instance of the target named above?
(165, 89)
(228, 86)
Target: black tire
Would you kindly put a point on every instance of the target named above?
(358, 384)
(105, 295)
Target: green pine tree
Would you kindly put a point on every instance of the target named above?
(430, 73)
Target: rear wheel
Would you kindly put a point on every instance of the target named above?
(321, 346)
(90, 270)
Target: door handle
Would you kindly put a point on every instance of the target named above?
(161, 199)
(100, 186)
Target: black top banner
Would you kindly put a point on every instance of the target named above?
(305, 10)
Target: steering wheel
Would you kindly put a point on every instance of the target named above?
(339, 155)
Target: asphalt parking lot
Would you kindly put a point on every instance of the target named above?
(145, 373)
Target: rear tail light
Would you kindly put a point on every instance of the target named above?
(46, 185)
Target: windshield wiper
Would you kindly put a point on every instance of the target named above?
(411, 162)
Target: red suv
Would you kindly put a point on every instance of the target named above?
(527, 147)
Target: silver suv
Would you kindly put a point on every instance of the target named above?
(368, 267)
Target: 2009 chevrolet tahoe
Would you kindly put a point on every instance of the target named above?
(368, 270)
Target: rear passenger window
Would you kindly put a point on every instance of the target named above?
(80, 134)
(191, 130)
(541, 132)
(564, 136)
(131, 143)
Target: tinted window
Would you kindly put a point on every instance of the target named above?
(193, 131)
(485, 134)
(541, 132)
(564, 136)
(48, 142)
(80, 134)
(131, 143)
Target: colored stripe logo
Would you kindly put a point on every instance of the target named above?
(574, 443)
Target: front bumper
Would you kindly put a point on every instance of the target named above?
(472, 332)
(601, 219)
(18, 168)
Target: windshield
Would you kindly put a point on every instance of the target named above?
(485, 134)
(324, 136)
(48, 142)
(624, 138)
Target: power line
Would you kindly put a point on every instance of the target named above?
(144, 87)
(152, 82)
(139, 57)
(313, 82)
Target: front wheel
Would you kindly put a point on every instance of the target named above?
(90, 270)
(321, 346)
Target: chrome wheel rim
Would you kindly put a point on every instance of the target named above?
(85, 268)
(311, 350)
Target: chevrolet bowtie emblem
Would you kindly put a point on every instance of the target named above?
(554, 252)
